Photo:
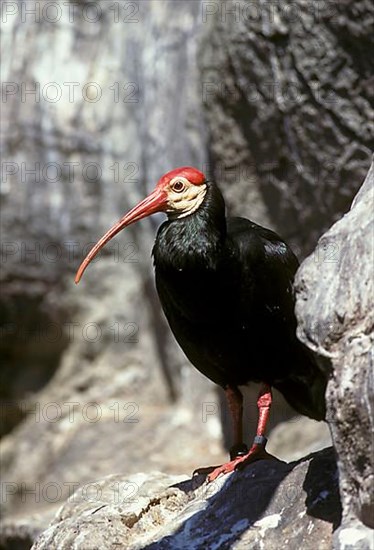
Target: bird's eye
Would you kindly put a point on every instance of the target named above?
(178, 186)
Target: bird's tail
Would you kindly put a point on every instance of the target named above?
(305, 391)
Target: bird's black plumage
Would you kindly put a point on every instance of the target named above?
(225, 286)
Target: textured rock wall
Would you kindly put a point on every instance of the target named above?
(110, 95)
(287, 96)
(335, 308)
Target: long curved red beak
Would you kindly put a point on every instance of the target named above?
(155, 202)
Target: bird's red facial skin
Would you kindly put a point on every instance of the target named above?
(193, 175)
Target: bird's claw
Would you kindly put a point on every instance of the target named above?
(204, 471)
(226, 468)
(237, 451)
(256, 452)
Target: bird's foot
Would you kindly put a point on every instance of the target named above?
(236, 451)
(256, 452)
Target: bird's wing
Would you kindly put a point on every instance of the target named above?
(267, 269)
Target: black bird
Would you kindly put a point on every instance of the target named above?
(226, 287)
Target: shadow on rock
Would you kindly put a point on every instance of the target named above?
(323, 500)
(266, 499)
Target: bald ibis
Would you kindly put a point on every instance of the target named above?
(226, 288)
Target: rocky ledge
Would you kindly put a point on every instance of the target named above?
(269, 504)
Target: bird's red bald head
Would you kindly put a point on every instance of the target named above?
(183, 189)
(193, 175)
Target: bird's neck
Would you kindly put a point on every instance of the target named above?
(194, 241)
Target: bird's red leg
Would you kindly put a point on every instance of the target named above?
(257, 451)
(264, 401)
(235, 402)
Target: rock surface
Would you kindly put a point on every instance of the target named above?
(335, 308)
(74, 166)
(288, 99)
(270, 504)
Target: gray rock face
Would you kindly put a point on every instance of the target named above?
(335, 307)
(73, 166)
(286, 90)
(270, 503)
